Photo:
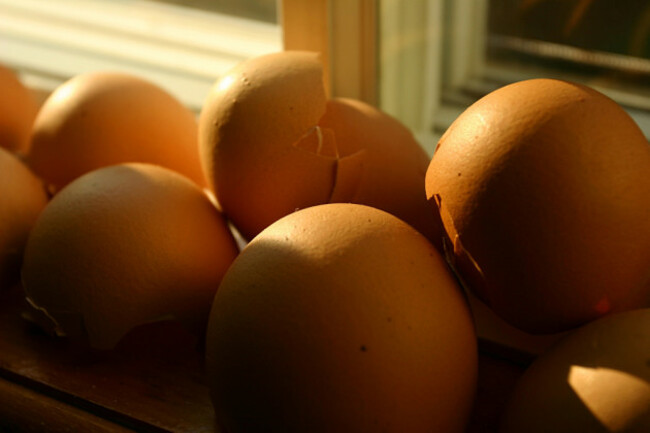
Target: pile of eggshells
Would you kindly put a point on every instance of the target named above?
(345, 308)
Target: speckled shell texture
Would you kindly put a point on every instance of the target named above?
(543, 187)
(341, 317)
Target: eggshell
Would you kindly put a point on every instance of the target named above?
(122, 246)
(597, 379)
(340, 317)
(248, 128)
(18, 109)
(271, 143)
(22, 198)
(103, 118)
(543, 190)
(380, 163)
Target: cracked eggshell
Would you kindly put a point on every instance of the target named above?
(341, 317)
(543, 190)
(596, 379)
(22, 198)
(123, 246)
(99, 119)
(380, 164)
(18, 108)
(271, 143)
(256, 135)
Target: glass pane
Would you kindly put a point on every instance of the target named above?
(602, 42)
(620, 27)
(439, 56)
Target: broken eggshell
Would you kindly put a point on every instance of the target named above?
(124, 246)
(271, 143)
(543, 190)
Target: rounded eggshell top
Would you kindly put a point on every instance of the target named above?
(103, 118)
(249, 125)
(18, 109)
(126, 245)
(22, 198)
(341, 317)
(543, 187)
(596, 379)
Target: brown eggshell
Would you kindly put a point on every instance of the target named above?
(380, 163)
(597, 379)
(249, 133)
(22, 198)
(341, 317)
(543, 190)
(123, 246)
(18, 109)
(103, 118)
(271, 144)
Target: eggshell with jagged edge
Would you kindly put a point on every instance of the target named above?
(272, 143)
(123, 246)
(543, 190)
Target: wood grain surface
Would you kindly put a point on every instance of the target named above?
(152, 382)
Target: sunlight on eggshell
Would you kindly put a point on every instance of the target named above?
(98, 119)
(595, 379)
(341, 317)
(543, 187)
(272, 143)
(123, 246)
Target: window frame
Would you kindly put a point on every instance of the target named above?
(191, 49)
(345, 33)
(472, 74)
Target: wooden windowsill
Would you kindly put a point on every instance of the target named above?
(152, 382)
